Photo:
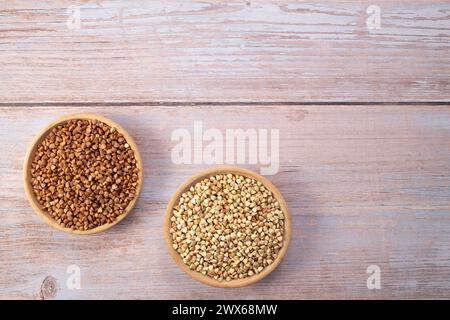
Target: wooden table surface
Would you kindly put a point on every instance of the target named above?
(364, 137)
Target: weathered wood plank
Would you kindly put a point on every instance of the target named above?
(365, 185)
(224, 51)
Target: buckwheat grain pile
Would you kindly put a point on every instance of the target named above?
(227, 227)
(84, 174)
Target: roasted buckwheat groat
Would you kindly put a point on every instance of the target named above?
(84, 174)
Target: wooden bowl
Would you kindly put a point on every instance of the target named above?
(30, 156)
(235, 283)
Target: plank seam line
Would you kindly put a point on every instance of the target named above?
(220, 103)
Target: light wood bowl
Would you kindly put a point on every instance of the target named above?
(30, 156)
(235, 283)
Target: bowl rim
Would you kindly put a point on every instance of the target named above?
(235, 283)
(29, 159)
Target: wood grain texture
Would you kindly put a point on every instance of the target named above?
(364, 184)
(290, 51)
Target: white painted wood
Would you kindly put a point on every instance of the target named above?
(193, 51)
(365, 185)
